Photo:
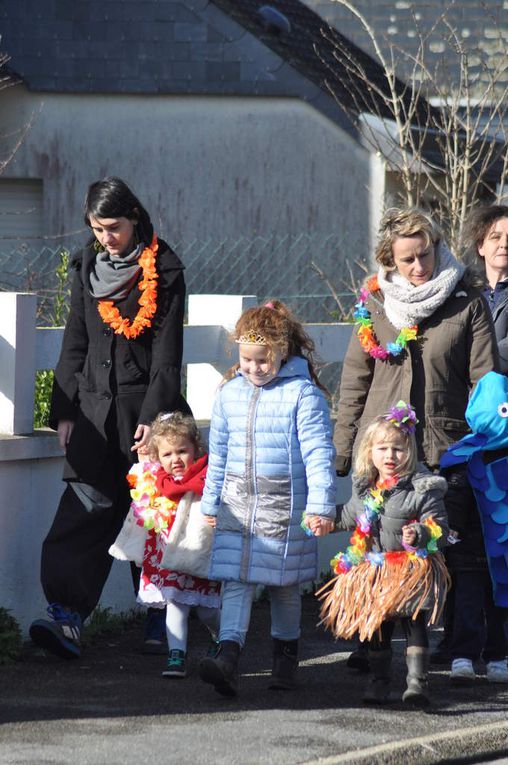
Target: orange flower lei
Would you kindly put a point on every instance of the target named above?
(110, 314)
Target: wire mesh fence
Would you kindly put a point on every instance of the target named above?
(26, 268)
(269, 266)
(276, 266)
(302, 270)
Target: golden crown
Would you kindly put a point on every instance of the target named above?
(251, 338)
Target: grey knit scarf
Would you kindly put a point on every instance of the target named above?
(113, 276)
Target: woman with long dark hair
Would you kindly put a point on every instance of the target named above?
(119, 366)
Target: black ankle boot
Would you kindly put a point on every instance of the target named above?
(285, 664)
(378, 689)
(221, 671)
(359, 658)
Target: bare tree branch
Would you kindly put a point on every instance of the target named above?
(441, 128)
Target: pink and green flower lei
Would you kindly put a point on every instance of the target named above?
(151, 510)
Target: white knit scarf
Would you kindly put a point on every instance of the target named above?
(406, 305)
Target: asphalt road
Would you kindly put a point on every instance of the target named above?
(113, 706)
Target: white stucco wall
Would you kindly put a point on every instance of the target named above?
(31, 485)
(31, 465)
(204, 167)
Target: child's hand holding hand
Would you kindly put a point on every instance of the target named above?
(409, 535)
(141, 438)
(142, 453)
(318, 525)
(211, 520)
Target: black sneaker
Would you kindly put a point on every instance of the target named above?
(177, 664)
(61, 636)
(154, 632)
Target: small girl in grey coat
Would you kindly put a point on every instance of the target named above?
(392, 568)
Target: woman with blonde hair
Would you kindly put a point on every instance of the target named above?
(423, 334)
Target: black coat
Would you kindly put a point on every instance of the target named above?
(500, 317)
(463, 517)
(107, 384)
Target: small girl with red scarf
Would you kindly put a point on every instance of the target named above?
(392, 569)
(166, 489)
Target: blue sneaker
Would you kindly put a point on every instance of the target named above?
(154, 632)
(61, 636)
(177, 664)
(213, 647)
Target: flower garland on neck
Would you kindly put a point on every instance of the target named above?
(151, 510)
(358, 550)
(110, 314)
(366, 335)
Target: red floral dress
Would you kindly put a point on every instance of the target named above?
(160, 585)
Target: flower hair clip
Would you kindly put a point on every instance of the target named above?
(403, 416)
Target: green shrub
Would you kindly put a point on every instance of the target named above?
(103, 622)
(10, 638)
(43, 388)
(56, 318)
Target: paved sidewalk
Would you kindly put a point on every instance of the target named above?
(113, 707)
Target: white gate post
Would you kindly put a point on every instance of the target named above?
(17, 362)
(203, 379)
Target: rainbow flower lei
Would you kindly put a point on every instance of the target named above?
(358, 552)
(150, 509)
(366, 335)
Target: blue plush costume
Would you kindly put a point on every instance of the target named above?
(485, 451)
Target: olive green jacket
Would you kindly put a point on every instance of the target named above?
(455, 347)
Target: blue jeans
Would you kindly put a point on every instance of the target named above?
(285, 609)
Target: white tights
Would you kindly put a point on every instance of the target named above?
(177, 623)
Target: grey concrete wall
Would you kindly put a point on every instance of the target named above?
(204, 167)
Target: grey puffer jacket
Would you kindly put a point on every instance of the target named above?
(415, 498)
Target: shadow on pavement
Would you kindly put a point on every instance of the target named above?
(113, 679)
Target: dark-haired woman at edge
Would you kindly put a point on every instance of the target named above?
(119, 366)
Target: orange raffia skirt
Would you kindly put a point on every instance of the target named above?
(361, 599)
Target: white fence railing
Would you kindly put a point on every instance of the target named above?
(31, 461)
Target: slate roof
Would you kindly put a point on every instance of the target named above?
(311, 47)
(198, 47)
(207, 47)
(479, 23)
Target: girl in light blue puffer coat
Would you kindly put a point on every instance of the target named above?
(271, 474)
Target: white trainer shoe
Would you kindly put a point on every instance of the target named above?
(462, 672)
(497, 672)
